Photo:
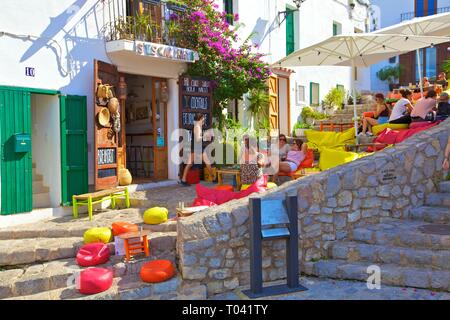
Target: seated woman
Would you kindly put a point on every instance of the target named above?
(283, 147)
(424, 110)
(381, 115)
(402, 109)
(443, 108)
(294, 157)
(251, 162)
(426, 82)
(442, 80)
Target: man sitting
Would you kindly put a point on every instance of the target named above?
(443, 108)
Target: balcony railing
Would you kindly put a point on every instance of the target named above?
(410, 15)
(143, 20)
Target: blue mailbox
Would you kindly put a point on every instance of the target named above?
(22, 143)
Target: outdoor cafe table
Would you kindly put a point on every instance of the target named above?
(229, 171)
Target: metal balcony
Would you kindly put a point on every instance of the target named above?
(410, 15)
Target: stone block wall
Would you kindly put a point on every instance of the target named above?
(213, 246)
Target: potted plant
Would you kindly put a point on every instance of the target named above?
(176, 5)
(258, 104)
(390, 74)
(309, 115)
(299, 129)
(334, 99)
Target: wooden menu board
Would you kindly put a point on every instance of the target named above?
(195, 97)
(106, 140)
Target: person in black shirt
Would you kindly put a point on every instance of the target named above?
(443, 109)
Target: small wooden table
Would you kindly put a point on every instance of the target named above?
(357, 147)
(89, 199)
(189, 211)
(135, 243)
(234, 172)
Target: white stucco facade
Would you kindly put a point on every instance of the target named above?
(312, 23)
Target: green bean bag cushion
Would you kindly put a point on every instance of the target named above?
(330, 158)
(98, 235)
(330, 140)
(156, 215)
(378, 128)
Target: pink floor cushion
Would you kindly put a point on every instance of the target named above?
(93, 254)
(222, 196)
(95, 280)
(420, 124)
(202, 202)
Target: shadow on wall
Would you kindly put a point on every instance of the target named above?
(56, 25)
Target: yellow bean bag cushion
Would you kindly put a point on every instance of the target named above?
(97, 235)
(330, 158)
(244, 187)
(330, 140)
(271, 185)
(376, 130)
(156, 215)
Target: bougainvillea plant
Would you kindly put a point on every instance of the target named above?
(234, 68)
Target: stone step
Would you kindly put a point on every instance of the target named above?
(37, 177)
(431, 214)
(60, 230)
(400, 233)
(438, 200)
(391, 274)
(60, 274)
(38, 187)
(19, 252)
(444, 186)
(41, 200)
(128, 288)
(407, 257)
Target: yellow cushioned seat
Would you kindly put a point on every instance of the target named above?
(394, 126)
(271, 185)
(331, 140)
(156, 215)
(330, 158)
(97, 235)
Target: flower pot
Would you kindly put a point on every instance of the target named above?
(125, 177)
(299, 132)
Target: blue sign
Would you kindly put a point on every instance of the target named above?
(160, 141)
(30, 72)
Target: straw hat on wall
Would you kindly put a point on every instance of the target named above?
(104, 117)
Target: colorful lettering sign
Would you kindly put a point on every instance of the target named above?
(165, 52)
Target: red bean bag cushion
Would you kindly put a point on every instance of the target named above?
(93, 254)
(222, 196)
(369, 114)
(309, 160)
(95, 280)
(123, 227)
(157, 271)
(420, 124)
(202, 202)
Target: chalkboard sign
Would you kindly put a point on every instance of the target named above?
(106, 156)
(106, 173)
(195, 97)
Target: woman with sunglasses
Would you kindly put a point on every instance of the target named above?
(283, 147)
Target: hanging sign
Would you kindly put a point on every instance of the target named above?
(163, 51)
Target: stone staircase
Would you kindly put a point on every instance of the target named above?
(345, 115)
(407, 254)
(41, 195)
(39, 263)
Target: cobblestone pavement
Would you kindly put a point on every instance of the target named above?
(326, 289)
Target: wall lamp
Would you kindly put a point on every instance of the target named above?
(284, 14)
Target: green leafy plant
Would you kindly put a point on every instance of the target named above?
(390, 73)
(446, 67)
(302, 126)
(309, 115)
(259, 105)
(334, 99)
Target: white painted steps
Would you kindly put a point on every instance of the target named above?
(41, 193)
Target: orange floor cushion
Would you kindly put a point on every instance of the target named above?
(157, 271)
(123, 227)
(225, 187)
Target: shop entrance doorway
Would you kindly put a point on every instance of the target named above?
(146, 128)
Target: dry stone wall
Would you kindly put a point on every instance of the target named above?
(213, 246)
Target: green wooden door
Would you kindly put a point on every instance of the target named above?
(74, 160)
(16, 167)
(290, 32)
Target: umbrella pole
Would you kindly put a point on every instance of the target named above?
(419, 64)
(355, 115)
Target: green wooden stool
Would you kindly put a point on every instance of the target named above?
(89, 199)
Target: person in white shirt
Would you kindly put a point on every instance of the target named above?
(403, 108)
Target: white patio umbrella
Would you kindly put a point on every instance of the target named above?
(357, 50)
(434, 25)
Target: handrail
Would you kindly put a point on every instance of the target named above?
(410, 15)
